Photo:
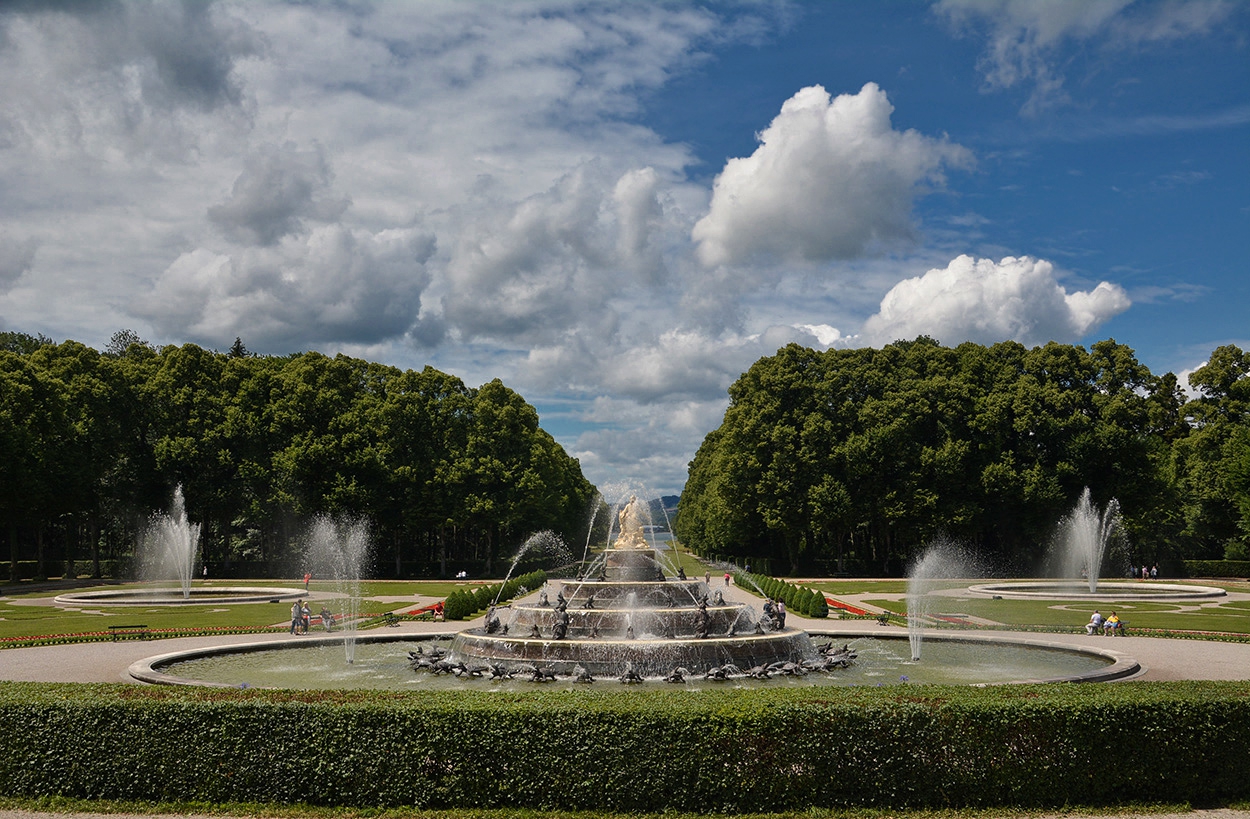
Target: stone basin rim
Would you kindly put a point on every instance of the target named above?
(1121, 666)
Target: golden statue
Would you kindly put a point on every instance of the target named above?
(630, 522)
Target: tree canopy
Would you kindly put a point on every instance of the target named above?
(854, 459)
(91, 444)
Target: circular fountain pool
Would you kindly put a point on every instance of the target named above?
(204, 595)
(1105, 591)
(383, 663)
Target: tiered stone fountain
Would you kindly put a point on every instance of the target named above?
(626, 614)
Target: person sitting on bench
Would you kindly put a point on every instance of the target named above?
(1095, 623)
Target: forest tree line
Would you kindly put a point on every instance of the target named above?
(93, 443)
(855, 459)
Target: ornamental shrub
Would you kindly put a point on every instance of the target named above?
(820, 606)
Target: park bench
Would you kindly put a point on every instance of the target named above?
(390, 618)
(124, 632)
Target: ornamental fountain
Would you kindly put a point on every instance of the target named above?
(624, 614)
(631, 615)
(167, 551)
(1082, 540)
(170, 545)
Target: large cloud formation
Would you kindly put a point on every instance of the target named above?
(830, 180)
(113, 76)
(986, 301)
(332, 283)
(468, 185)
(280, 187)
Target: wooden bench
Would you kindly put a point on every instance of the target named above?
(122, 632)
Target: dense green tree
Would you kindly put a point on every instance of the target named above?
(854, 459)
(1210, 461)
(93, 443)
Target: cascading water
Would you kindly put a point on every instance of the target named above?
(942, 560)
(626, 615)
(170, 545)
(1083, 537)
(339, 551)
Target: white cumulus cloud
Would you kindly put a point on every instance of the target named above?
(831, 179)
(986, 301)
(332, 284)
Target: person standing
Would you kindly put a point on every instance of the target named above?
(297, 616)
(305, 616)
(781, 614)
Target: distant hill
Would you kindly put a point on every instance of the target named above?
(663, 510)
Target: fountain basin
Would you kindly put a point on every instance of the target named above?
(1106, 591)
(208, 595)
(648, 656)
(382, 663)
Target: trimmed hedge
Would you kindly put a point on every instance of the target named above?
(464, 603)
(1217, 568)
(807, 602)
(601, 749)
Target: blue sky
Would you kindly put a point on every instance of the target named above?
(617, 207)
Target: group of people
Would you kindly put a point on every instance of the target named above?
(301, 617)
(1145, 572)
(1108, 626)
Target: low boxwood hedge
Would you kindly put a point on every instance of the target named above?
(463, 603)
(637, 750)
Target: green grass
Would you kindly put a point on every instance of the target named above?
(55, 804)
(18, 620)
(1231, 617)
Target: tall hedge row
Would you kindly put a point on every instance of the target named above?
(1217, 568)
(639, 750)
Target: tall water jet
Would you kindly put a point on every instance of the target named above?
(546, 543)
(1083, 537)
(942, 559)
(339, 551)
(170, 545)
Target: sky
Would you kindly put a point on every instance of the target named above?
(617, 207)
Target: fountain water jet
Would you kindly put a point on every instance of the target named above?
(170, 545)
(340, 550)
(942, 559)
(1083, 537)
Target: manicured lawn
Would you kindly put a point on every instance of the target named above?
(1233, 617)
(30, 620)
